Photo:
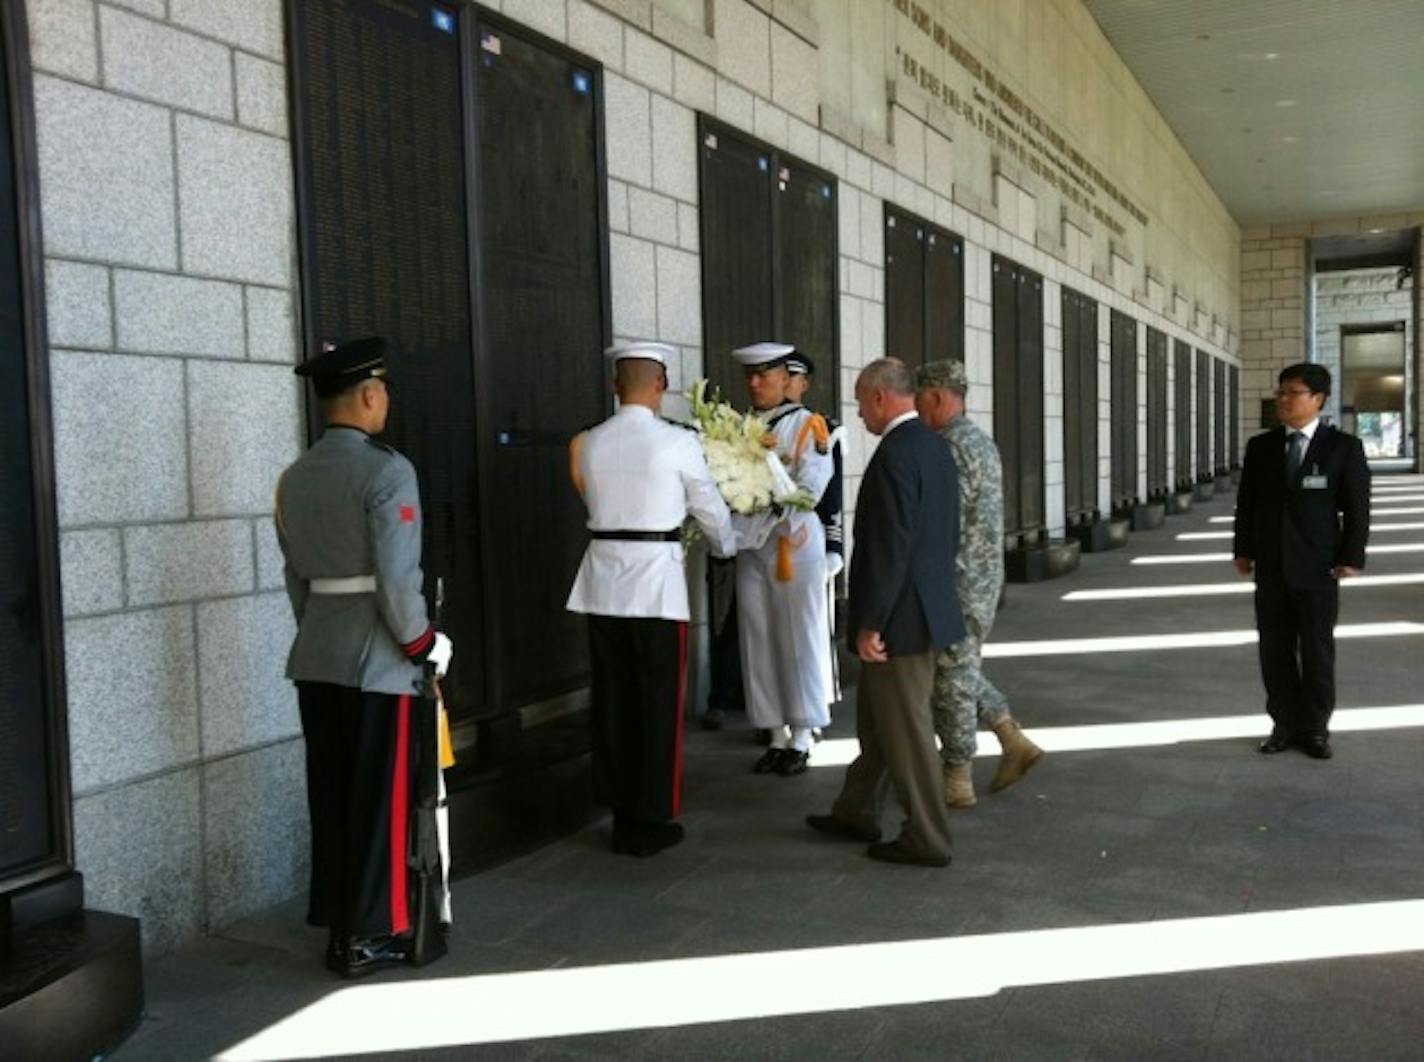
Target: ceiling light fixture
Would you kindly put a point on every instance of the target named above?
(1285, 103)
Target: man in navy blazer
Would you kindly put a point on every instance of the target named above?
(903, 609)
(1302, 520)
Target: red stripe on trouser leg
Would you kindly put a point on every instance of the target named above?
(400, 811)
(681, 708)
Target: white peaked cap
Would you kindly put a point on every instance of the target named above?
(762, 353)
(661, 353)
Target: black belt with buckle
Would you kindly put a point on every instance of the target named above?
(637, 536)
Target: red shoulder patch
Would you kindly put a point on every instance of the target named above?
(407, 514)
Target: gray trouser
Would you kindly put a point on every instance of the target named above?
(962, 696)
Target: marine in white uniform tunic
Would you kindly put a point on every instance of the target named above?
(640, 477)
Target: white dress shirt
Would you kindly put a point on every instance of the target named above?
(908, 415)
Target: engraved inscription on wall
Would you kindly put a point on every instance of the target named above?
(1014, 127)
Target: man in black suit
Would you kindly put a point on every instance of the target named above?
(1302, 519)
(903, 609)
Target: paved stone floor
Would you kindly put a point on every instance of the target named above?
(1057, 933)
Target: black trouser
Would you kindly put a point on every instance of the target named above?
(725, 690)
(1297, 651)
(639, 667)
(359, 793)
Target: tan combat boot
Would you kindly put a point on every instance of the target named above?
(959, 786)
(1019, 755)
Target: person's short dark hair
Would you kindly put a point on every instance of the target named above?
(1315, 377)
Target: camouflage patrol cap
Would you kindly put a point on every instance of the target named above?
(947, 374)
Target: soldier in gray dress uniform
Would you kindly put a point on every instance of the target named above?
(962, 694)
(348, 522)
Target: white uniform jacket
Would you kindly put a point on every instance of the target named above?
(784, 627)
(642, 473)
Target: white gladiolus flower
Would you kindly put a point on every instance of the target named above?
(748, 474)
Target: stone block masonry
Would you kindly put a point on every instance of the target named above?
(168, 219)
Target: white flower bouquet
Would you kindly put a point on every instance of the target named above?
(741, 452)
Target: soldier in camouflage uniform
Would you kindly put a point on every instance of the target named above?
(962, 694)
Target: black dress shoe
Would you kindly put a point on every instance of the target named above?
(770, 761)
(1317, 748)
(793, 761)
(840, 828)
(336, 950)
(365, 955)
(646, 839)
(712, 719)
(894, 852)
(1277, 742)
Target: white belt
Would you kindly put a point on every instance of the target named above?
(352, 584)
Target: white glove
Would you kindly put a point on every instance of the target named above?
(834, 564)
(440, 654)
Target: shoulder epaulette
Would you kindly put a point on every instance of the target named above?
(380, 445)
(678, 424)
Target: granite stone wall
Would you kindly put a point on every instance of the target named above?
(167, 204)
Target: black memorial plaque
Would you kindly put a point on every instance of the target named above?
(1203, 421)
(380, 143)
(1018, 395)
(414, 202)
(924, 290)
(1080, 406)
(33, 784)
(1234, 416)
(904, 287)
(1123, 408)
(1182, 413)
(1157, 479)
(1219, 419)
(737, 253)
(769, 260)
(807, 275)
(944, 294)
(542, 329)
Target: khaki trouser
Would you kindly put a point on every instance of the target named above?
(897, 746)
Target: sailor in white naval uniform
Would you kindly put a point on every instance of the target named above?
(781, 577)
(640, 477)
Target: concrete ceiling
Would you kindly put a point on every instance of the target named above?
(1293, 109)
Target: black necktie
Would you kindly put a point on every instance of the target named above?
(1295, 454)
